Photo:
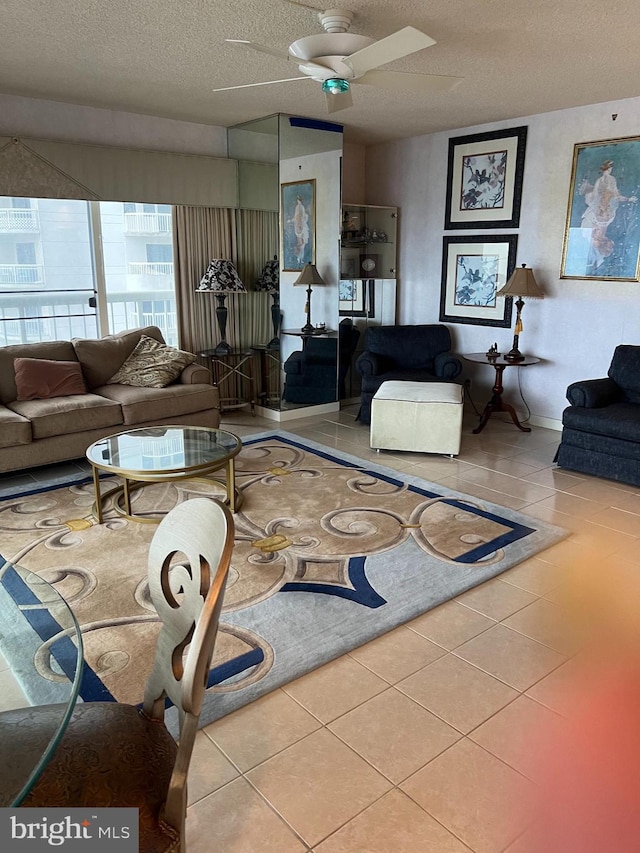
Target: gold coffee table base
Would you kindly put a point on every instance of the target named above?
(121, 495)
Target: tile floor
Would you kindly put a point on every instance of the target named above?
(421, 739)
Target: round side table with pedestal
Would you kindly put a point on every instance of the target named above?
(496, 403)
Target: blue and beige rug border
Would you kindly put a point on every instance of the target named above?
(526, 537)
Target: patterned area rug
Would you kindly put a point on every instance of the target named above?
(331, 551)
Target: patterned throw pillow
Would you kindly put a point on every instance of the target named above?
(152, 365)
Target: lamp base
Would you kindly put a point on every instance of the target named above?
(308, 329)
(514, 353)
(274, 343)
(223, 348)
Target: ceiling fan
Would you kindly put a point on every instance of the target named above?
(338, 59)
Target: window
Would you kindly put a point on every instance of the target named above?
(51, 282)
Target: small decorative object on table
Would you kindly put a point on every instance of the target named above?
(492, 352)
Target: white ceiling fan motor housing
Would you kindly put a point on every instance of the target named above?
(331, 47)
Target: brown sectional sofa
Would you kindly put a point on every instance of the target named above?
(38, 432)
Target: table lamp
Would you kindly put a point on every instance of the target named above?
(522, 283)
(307, 277)
(269, 281)
(221, 278)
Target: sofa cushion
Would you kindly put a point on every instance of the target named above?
(58, 350)
(62, 415)
(100, 359)
(152, 365)
(140, 405)
(41, 378)
(14, 429)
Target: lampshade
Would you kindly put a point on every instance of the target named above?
(309, 276)
(522, 283)
(221, 277)
(269, 278)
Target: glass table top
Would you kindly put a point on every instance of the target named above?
(165, 449)
(42, 660)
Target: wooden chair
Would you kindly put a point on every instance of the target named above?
(114, 754)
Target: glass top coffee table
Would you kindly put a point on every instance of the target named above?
(163, 454)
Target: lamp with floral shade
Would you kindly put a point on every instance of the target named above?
(269, 281)
(221, 278)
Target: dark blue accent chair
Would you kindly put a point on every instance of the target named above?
(601, 427)
(313, 374)
(409, 353)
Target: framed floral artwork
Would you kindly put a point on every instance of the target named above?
(298, 224)
(473, 271)
(602, 232)
(484, 179)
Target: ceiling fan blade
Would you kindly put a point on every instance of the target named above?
(266, 83)
(339, 101)
(261, 48)
(406, 82)
(401, 43)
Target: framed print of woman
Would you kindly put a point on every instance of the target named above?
(602, 236)
(298, 224)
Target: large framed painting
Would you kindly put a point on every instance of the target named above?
(602, 232)
(473, 271)
(298, 224)
(484, 179)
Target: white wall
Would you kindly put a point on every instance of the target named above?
(38, 119)
(578, 324)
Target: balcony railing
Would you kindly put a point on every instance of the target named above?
(139, 268)
(147, 223)
(59, 315)
(19, 219)
(21, 274)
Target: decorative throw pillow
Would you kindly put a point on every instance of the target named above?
(152, 365)
(42, 378)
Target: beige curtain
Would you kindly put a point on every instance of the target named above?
(200, 234)
(249, 238)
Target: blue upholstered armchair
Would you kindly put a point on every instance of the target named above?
(601, 427)
(317, 373)
(411, 353)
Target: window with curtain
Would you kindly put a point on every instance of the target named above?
(52, 279)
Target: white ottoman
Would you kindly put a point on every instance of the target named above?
(421, 416)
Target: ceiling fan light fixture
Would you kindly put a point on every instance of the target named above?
(335, 86)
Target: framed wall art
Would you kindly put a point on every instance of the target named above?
(602, 231)
(298, 224)
(473, 271)
(352, 298)
(484, 179)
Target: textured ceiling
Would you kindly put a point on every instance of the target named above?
(163, 58)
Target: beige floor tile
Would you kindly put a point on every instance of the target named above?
(545, 513)
(556, 690)
(485, 493)
(395, 823)
(208, 769)
(509, 485)
(511, 657)
(618, 519)
(459, 693)
(450, 624)
(534, 576)
(335, 688)
(262, 729)
(318, 784)
(572, 504)
(394, 733)
(236, 819)
(602, 491)
(496, 599)
(518, 735)
(397, 654)
(554, 478)
(547, 623)
(474, 795)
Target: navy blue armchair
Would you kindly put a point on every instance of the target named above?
(410, 353)
(601, 427)
(317, 373)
